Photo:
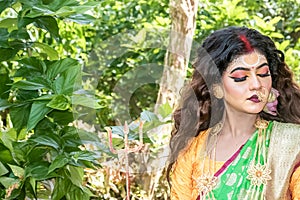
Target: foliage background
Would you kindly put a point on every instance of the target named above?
(65, 65)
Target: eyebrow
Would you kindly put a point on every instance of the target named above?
(248, 69)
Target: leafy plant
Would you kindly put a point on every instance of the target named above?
(42, 150)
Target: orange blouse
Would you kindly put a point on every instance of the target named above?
(187, 167)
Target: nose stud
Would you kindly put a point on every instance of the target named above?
(262, 94)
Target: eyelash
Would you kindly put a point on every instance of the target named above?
(245, 77)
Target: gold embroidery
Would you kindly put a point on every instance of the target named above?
(258, 174)
(206, 183)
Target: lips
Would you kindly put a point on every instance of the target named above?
(254, 98)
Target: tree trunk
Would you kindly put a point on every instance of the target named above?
(183, 15)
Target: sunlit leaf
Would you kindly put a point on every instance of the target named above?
(59, 102)
(75, 175)
(165, 110)
(82, 18)
(8, 181)
(48, 50)
(57, 67)
(3, 169)
(18, 171)
(87, 101)
(9, 23)
(68, 81)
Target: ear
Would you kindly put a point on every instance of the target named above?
(218, 91)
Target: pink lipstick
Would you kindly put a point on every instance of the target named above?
(254, 98)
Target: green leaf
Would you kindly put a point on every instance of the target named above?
(148, 116)
(7, 181)
(20, 34)
(62, 117)
(28, 85)
(50, 140)
(4, 104)
(39, 171)
(84, 156)
(38, 111)
(7, 53)
(69, 81)
(19, 115)
(33, 183)
(87, 101)
(5, 4)
(3, 169)
(61, 188)
(18, 171)
(9, 23)
(75, 175)
(8, 137)
(275, 20)
(4, 82)
(59, 162)
(276, 35)
(6, 156)
(36, 153)
(55, 4)
(49, 24)
(31, 67)
(60, 66)
(24, 21)
(78, 193)
(4, 35)
(25, 95)
(82, 18)
(59, 102)
(46, 49)
(260, 22)
(165, 110)
(65, 11)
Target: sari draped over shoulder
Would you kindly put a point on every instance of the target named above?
(258, 170)
(283, 160)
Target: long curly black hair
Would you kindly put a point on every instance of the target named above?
(199, 110)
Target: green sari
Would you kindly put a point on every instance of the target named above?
(245, 174)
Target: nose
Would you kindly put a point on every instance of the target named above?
(255, 83)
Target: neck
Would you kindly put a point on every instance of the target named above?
(238, 124)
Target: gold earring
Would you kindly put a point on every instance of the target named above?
(218, 91)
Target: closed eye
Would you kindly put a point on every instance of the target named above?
(264, 75)
(239, 79)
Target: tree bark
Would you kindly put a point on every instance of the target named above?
(183, 16)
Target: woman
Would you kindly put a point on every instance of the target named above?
(237, 132)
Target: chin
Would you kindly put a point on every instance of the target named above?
(254, 112)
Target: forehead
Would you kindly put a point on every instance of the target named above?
(250, 60)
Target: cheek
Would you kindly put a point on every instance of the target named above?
(233, 90)
(267, 82)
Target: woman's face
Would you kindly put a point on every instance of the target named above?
(247, 83)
